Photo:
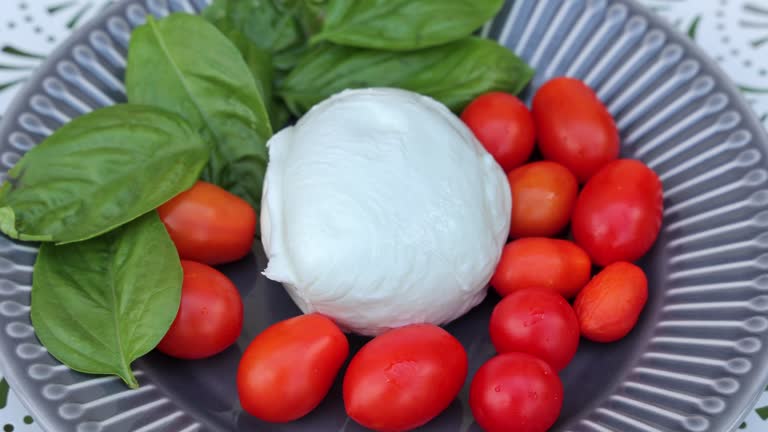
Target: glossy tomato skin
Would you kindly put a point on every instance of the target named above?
(210, 315)
(537, 322)
(538, 262)
(609, 306)
(504, 125)
(288, 368)
(543, 196)
(618, 213)
(516, 392)
(573, 127)
(209, 224)
(404, 378)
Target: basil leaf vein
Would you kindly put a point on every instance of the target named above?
(185, 65)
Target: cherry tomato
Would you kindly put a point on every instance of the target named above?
(503, 124)
(574, 127)
(537, 322)
(516, 392)
(404, 378)
(609, 306)
(618, 213)
(538, 262)
(209, 225)
(288, 368)
(210, 316)
(543, 196)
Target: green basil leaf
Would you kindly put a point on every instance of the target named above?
(454, 73)
(278, 28)
(216, 11)
(284, 61)
(260, 62)
(282, 27)
(401, 25)
(281, 115)
(98, 172)
(100, 304)
(310, 14)
(184, 64)
(267, 23)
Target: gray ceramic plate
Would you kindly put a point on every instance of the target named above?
(697, 359)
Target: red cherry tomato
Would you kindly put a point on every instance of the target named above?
(537, 262)
(537, 322)
(503, 124)
(574, 127)
(210, 316)
(609, 306)
(516, 392)
(289, 368)
(209, 225)
(618, 213)
(543, 196)
(404, 378)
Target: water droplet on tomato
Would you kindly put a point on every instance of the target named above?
(533, 319)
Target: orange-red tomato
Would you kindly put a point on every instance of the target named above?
(516, 392)
(538, 262)
(503, 124)
(404, 378)
(538, 322)
(618, 213)
(609, 306)
(289, 368)
(210, 316)
(573, 127)
(543, 196)
(209, 225)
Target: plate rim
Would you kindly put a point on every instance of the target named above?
(45, 418)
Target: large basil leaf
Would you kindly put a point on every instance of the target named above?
(260, 62)
(266, 23)
(282, 27)
(278, 32)
(216, 12)
(454, 73)
(404, 24)
(184, 64)
(100, 304)
(258, 59)
(98, 172)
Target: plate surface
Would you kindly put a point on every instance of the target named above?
(698, 357)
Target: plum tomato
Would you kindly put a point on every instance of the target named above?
(503, 125)
(210, 315)
(543, 196)
(538, 322)
(288, 368)
(516, 392)
(609, 306)
(618, 213)
(573, 127)
(538, 262)
(404, 378)
(209, 224)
